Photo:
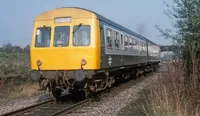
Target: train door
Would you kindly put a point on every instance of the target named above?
(102, 46)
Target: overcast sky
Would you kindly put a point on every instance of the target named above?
(16, 21)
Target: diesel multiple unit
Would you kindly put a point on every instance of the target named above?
(79, 50)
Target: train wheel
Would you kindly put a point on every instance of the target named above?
(57, 93)
(95, 96)
(145, 73)
(118, 80)
(133, 74)
(155, 67)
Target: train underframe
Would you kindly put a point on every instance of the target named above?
(89, 82)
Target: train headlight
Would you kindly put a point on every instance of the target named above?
(83, 62)
(39, 63)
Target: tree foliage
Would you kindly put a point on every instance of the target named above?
(9, 48)
(185, 16)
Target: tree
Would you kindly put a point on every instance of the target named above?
(185, 15)
(9, 48)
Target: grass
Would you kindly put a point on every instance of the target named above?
(14, 63)
(16, 88)
(26, 90)
(174, 94)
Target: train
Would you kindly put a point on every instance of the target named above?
(76, 49)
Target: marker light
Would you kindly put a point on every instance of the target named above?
(39, 63)
(83, 62)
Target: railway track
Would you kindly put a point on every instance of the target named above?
(29, 108)
(51, 108)
(48, 108)
(112, 92)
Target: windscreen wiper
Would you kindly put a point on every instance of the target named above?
(46, 28)
(77, 28)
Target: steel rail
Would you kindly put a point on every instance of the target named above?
(23, 110)
(72, 108)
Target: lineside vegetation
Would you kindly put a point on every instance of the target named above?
(177, 92)
(14, 60)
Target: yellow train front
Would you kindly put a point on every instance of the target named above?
(77, 49)
(65, 48)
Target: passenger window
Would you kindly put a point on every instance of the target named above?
(81, 35)
(133, 44)
(117, 41)
(149, 49)
(61, 36)
(43, 35)
(126, 42)
(137, 46)
(144, 47)
(109, 38)
(154, 50)
(130, 43)
(140, 46)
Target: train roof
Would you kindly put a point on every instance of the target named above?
(104, 19)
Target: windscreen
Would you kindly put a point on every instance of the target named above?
(81, 35)
(43, 35)
(61, 36)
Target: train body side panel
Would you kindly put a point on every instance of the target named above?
(118, 58)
